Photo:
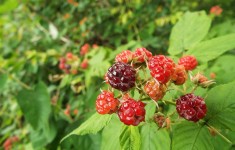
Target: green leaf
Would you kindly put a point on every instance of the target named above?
(35, 105)
(188, 31)
(112, 129)
(211, 49)
(8, 6)
(191, 136)
(221, 106)
(85, 142)
(130, 138)
(152, 138)
(3, 80)
(93, 125)
(41, 137)
(150, 110)
(65, 81)
(224, 69)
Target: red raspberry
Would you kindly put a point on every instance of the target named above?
(7, 144)
(142, 54)
(121, 76)
(155, 90)
(69, 55)
(179, 76)
(191, 107)
(161, 68)
(62, 66)
(84, 49)
(125, 56)
(106, 103)
(189, 62)
(216, 10)
(132, 112)
(84, 64)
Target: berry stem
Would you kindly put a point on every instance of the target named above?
(178, 89)
(169, 102)
(155, 103)
(146, 98)
(220, 134)
(194, 89)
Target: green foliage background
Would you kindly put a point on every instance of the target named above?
(36, 33)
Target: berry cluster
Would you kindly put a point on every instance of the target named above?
(126, 75)
(69, 64)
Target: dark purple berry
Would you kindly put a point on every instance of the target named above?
(121, 76)
(191, 107)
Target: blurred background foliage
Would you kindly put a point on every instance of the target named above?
(39, 104)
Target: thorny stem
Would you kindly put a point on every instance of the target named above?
(220, 134)
(16, 79)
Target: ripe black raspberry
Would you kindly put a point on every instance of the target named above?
(191, 107)
(132, 112)
(121, 76)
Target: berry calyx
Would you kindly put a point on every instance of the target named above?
(161, 68)
(132, 112)
(189, 62)
(121, 76)
(155, 90)
(191, 107)
(106, 103)
(179, 76)
(201, 80)
(141, 54)
(125, 56)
